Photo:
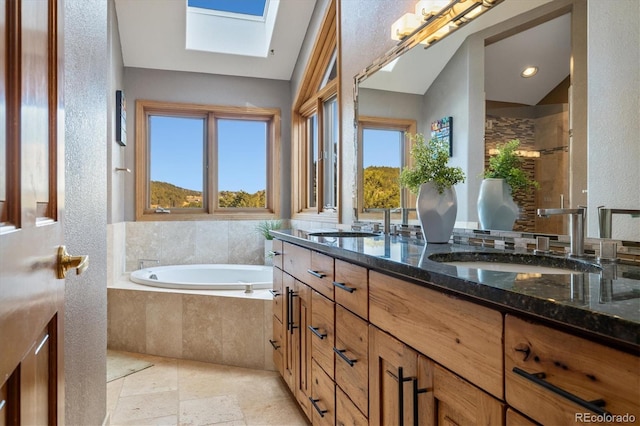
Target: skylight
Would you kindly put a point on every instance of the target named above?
(255, 8)
(236, 27)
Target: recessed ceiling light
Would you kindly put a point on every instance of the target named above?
(529, 72)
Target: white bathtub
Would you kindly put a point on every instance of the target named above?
(206, 277)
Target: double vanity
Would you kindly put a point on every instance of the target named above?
(380, 329)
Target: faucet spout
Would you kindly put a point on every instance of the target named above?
(576, 232)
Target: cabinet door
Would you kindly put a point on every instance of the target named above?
(347, 414)
(278, 345)
(320, 274)
(458, 402)
(289, 364)
(351, 354)
(322, 333)
(277, 250)
(516, 419)
(302, 341)
(556, 378)
(394, 386)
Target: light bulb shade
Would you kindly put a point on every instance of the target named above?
(404, 26)
(425, 9)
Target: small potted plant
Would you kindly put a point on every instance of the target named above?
(432, 179)
(504, 177)
(264, 228)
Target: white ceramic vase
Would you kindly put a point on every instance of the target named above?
(496, 208)
(436, 212)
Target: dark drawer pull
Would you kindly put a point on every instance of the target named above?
(273, 343)
(344, 357)
(315, 405)
(538, 379)
(274, 253)
(316, 273)
(344, 287)
(274, 293)
(317, 332)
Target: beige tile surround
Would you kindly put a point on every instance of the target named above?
(210, 328)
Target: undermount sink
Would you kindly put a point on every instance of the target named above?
(343, 234)
(512, 262)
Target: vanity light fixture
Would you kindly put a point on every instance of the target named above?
(529, 72)
(434, 19)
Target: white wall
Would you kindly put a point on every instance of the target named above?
(613, 111)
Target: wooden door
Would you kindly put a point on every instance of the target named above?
(31, 212)
(302, 345)
(396, 384)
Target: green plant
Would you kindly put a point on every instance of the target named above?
(268, 225)
(430, 165)
(507, 165)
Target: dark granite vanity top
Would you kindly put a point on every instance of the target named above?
(602, 301)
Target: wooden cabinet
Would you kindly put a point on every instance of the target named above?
(462, 336)
(277, 249)
(368, 348)
(352, 359)
(322, 398)
(557, 378)
(352, 288)
(322, 331)
(396, 392)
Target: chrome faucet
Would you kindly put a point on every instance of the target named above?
(387, 217)
(604, 218)
(576, 233)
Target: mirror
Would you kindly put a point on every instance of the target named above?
(473, 76)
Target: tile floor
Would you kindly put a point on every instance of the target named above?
(182, 392)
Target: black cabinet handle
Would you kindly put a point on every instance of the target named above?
(273, 343)
(401, 381)
(539, 379)
(416, 392)
(345, 358)
(274, 253)
(274, 293)
(316, 273)
(290, 320)
(315, 405)
(315, 331)
(344, 287)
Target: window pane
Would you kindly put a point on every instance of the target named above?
(330, 154)
(382, 161)
(176, 146)
(312, 160)
(242, 163)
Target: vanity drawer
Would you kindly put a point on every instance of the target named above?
(347, 414)
(352, 288)
(320, 274)
(296, 260)
(352, 360)
(276, 248)
(322, 334)
(462, 336)
(323, 401)
(310, 267)
(541, 363)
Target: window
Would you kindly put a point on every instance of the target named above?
(206, 160)
(315, 126)
(384, 151)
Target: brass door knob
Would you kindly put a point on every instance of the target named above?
(66, 261)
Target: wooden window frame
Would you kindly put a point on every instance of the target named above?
(309, 100)
(383, 123)
(210, 209)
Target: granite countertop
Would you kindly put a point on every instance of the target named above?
(602, 301)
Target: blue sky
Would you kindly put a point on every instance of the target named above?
(177, 146)
(250, 7)
(381, 148)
